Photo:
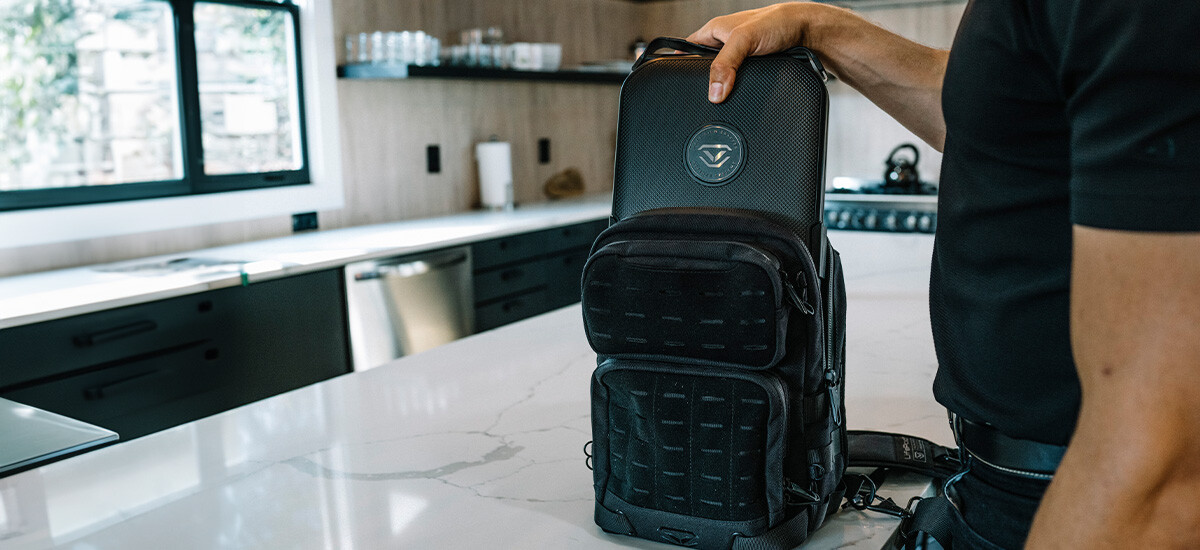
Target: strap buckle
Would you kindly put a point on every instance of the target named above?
(865, 498)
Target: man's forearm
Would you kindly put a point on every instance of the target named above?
(902, 77)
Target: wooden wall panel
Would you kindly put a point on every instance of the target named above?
(590, 30)
(384, 147)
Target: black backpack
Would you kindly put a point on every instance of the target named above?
(717, 310)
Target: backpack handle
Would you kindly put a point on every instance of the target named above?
(692, 48)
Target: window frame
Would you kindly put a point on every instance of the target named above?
(194, 180)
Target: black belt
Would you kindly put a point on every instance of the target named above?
(1017, 456)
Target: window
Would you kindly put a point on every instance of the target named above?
(103, 100)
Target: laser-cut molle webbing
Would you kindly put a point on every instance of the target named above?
(688, 445)
(709, 310)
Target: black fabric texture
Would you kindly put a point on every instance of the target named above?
(1057, 113)
(935, 517)
(723, 225)
(991, 510)
(689, 445)
(789, 534)
(690, 301)
(677, 529)
(997, 506)
(665, 446)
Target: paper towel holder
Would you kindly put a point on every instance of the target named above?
(494, 160)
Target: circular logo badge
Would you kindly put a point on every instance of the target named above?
(714, 154)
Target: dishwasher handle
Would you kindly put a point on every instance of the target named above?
(411, 267)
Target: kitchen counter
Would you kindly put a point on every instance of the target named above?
(478, 443)
(36, 297)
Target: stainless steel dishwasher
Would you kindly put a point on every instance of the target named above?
(407, 304)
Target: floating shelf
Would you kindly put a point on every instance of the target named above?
(368, 71)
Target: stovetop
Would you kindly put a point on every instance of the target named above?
(867, 205)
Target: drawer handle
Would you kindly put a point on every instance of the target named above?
(510, 274)
(106, 390)
(116, 333)
(515, 304)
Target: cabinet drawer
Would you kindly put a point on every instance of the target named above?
(100, 396)
(288, 333)
(512, 279)
(574, 236)
(510, 309)
(564, 272)
(506, 250)
(55, 347)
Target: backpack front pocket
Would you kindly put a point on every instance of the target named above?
(689, 449)
(720, 303)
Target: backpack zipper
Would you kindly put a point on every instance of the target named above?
(831, 375)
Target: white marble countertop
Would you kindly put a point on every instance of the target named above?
(36, 297)
(474, 444)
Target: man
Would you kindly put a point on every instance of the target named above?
(1065, 291)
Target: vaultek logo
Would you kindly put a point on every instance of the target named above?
(715, 154)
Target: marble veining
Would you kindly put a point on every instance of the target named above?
(478, 443)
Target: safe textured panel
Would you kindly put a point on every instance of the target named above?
(688, 445)
(778, 106)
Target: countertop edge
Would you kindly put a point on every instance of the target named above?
(534, 217)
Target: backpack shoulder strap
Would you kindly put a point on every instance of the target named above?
(932, 516)
(868, 449)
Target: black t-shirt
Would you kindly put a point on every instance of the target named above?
(1058, 112)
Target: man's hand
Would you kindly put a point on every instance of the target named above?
(1131, 475)
(900, 76)
(755, 32)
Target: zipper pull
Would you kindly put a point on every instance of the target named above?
(803, 496)
(835, 407)
(798, 299)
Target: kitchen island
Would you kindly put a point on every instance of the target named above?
(478, 443)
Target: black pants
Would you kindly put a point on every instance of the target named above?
(997, 507)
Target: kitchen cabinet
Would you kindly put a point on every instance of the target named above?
(522, 275)
(144, 368)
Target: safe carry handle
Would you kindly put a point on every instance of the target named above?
(692, 48)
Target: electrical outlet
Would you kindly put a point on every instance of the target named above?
(305, 221)
(433, 159)
(543, 146)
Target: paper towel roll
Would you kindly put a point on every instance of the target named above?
(495, 174)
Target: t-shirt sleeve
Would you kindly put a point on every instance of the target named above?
(1130, 77)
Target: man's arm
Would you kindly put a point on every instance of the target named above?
(900, 76)
(1131, 475)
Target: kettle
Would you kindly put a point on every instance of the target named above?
(901, 173)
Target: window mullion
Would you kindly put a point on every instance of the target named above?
(189, 93)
